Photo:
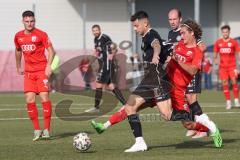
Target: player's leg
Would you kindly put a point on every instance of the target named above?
(117, 117)
(30, 90)
(223, 75)
(191, 95)
(131, 107)
(43, 89)
(233, 76)
(33, 114)
(117, 93)
(47, 113)
(98, 97)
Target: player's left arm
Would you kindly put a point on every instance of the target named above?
(156, 51)
(51, 54)
(191, 69)
(113, 50)
(195, 66)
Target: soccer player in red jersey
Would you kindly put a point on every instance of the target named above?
(31, 43)
(185, 63)
(227, 47)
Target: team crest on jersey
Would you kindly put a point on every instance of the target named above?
(229, 44)
(20, 39)
(179, 38)
(34, 38)
(189, 53)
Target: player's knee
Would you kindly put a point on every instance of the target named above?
(188, 125)
(129, 109)
(30, 99)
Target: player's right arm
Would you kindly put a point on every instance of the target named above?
(215, 53)
(18, 56)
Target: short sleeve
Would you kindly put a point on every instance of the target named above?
(46, 41)
(236, 45)
(16, 42)
(215, 47)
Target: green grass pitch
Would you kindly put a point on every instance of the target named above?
(166, 140)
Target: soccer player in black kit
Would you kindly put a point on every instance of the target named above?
(194, 88)
(105, 50)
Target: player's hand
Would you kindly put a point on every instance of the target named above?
(48, 71)
(155, 60)
(20, 71)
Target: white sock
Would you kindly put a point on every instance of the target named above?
(106, 124)
(204, 120)
(139, 140)
(236, 100)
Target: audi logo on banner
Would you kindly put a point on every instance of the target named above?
(28, 47)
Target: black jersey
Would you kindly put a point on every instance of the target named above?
(102, 45)
(146, 46)
(175, 36)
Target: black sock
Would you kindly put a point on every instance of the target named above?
(135, 124)
(119, 95)
(195, 109)
(98, 97)
(180, 115)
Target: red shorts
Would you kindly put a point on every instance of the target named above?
(35, 82)
(178, 99)
(226, 73)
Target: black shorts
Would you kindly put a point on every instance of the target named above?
(154, 85)
(195, 84)
(107, 73)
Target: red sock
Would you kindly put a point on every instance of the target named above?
(47, 112)
(118, 116)
(235, 91)
(33, 115)
(201, 128)
(226, 92)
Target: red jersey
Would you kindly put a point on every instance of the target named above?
(207, 63)
(192, 56)
(227, 52)
(33, 47)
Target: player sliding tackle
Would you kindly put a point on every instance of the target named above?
(154, 88)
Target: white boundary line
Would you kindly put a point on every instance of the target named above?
(106, 116)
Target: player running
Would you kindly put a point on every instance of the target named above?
(227, 47)
(194, 88)
(154, 89)
(32, 42)
(105, 50)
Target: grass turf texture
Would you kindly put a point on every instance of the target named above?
(166, 140)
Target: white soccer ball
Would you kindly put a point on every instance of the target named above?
(82, 141)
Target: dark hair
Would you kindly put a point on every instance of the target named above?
(226, 27)
(96, 26)
(139, 15)
(28, 13)
(178, 11)
(194, 27)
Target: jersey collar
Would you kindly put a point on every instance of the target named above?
(176, 30)
(99, 36)
(147, 32)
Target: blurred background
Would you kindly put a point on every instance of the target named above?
(68, 24)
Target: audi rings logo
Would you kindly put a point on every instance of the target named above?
(28, 47)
